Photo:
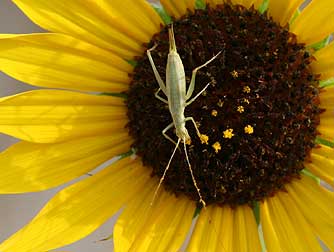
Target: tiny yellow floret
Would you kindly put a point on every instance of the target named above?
(214, 112)
(249, 129)
(188, 142)
(217, 147)
(245, 100)
(246, 89)
(228, 133)
(204, 139)
(240, 109)
(235, 74)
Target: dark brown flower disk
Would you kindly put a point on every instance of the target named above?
(261, 81)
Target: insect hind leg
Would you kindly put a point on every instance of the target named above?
(165, 171)
(193, 121)
(165, 135)
(192, 175)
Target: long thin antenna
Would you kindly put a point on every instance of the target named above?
(164, 175)
(172, 45)
(192, 176)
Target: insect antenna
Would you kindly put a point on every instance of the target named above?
(164, 175)
(192, 176)
(172, 45)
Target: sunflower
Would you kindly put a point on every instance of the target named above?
(268, 118)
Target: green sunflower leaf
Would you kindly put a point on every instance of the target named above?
(162, 13)
(200, 4)
(322, 141)
(319, 45)
(264, 6)
(327, 83)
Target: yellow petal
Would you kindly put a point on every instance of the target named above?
(317, 205)
(133, 218)
(322, 163)
(246, 3)
(47, 116)
(178, 8)
(327, 98)
(323, 151)
(284, 226)
(167, 224)
(213, 3)
(120, 26)
(326, 127)
(61, 61)
(29, 167)
(315, 22)
(80, 209)
(283, 10)
(321, 172)
(225, 229)
(246, 236)
(324, 63)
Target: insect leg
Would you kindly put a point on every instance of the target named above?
(155, 71)
(193, 76)
(159, 97)
(194, 98)
(165, 171)
(193, 121)
(192, 175)
(165, 135)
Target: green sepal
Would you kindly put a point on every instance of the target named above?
(107, 238)
(322, 141)
(327, 83)
(162, 13)
(294, 17)
(127, 154)
(264, 6)
(319, 45)
(311, 175)
(200, 5)
(120, 95)
(132, 62)
(256, 211)
(197, 212)
(262, 242)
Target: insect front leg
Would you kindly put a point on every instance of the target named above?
(155, 71)
(193, 76)
(159, 97)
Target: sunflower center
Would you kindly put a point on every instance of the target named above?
(258, 116)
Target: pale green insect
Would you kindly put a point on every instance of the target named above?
(177, 100)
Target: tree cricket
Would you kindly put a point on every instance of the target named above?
(177, 99)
